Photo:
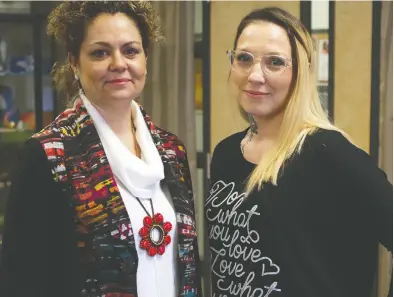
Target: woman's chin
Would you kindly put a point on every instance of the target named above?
(262, 110)
(122, 95)
(262, 113)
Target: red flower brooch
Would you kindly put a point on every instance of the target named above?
(153, 226)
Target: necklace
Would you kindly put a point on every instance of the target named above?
(154, 224)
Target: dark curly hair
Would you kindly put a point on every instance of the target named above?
(67, 23)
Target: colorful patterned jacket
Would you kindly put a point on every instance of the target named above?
(107, 256)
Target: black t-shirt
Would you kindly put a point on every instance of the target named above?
(315, 234)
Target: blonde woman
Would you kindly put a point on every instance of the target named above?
(295, 209)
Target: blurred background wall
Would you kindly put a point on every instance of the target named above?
(187, 91)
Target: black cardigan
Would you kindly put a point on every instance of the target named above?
(39, 249)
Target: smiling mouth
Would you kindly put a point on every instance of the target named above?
(256, 93)
(119, 81)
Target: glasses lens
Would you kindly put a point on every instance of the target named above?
(273, 65)
(241, 61)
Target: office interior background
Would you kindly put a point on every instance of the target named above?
(186, 90)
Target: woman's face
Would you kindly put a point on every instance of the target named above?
(112, 62)
(261, 69)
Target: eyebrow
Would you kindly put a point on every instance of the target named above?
(276, 54)
(106, 44)
(269, 53)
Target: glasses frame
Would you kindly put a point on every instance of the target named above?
(288, 61)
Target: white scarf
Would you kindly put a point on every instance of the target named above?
(141, 177)
(156, 276)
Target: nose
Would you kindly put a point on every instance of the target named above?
(256, 74)
(118, 62)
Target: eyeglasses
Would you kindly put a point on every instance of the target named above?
(243, 62)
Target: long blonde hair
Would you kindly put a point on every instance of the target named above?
(304, 113)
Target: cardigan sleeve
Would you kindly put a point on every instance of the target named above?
(38, 255)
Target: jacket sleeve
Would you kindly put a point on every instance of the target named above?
(38, 254)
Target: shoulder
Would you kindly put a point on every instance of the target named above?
(169, 139)
(47, 142)
(337, 153)
(61, 126)
(334, 145)
(39, 153)
(33, 150)
(32, 162)
(227, 153)
(48, 132)
(173, 146)
(167, 136)
(229, 144)
(331, 139)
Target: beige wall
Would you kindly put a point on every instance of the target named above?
(225, 17)
(352, 65)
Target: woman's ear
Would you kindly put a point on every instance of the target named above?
(73, 63)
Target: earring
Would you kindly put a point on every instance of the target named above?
(80, 90)
(252, 123)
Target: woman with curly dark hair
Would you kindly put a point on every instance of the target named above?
(102, 203)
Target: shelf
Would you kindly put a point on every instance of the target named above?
(7, 130)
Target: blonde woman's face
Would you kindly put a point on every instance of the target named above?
(112, 62)
(262, 95)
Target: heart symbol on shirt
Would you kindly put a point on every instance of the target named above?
(272, 268)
